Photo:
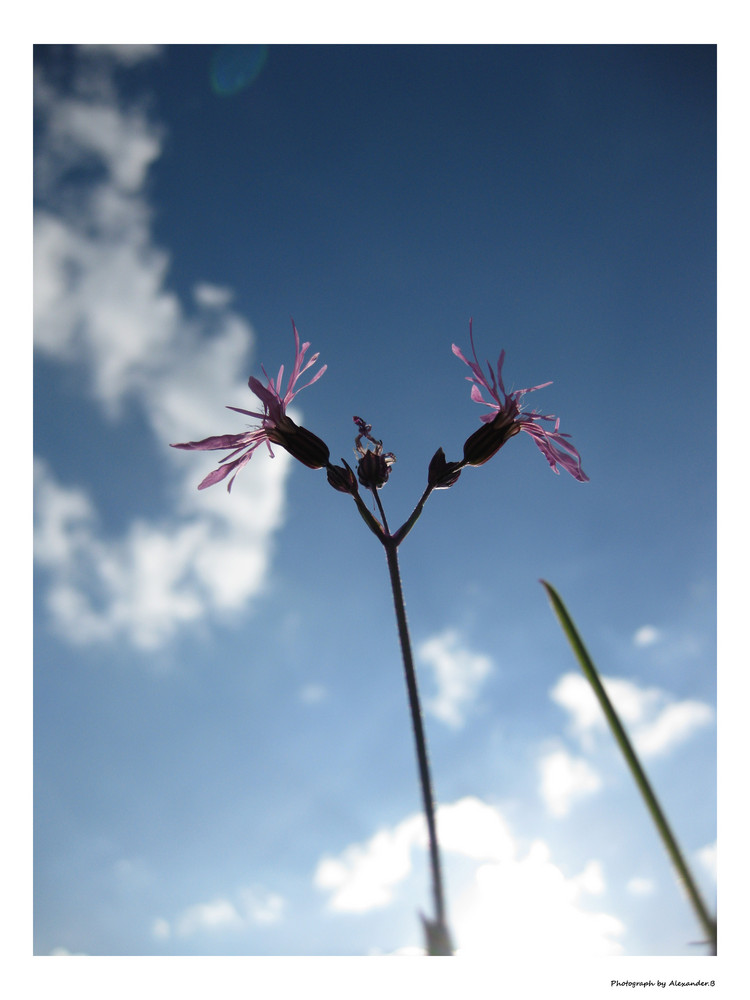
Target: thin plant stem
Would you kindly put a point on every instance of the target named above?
(406, 527)
(707, 922)
(437, 932)
(380, 508)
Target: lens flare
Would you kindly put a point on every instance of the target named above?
(235, 67)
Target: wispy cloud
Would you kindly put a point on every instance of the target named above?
(219, 914)
(212, 296)
(127, 55)
(674, 724)
(262, 907)
(521, 899)
(646, 635)
(312, 694)
(102, 303)
(638, 886)
(707, 857)
(252, 906)
(670, 648)
(458, 674)
(656, 722)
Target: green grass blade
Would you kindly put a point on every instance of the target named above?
(685, 876)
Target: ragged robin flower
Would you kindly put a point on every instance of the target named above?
(508, 419)
(276, 427)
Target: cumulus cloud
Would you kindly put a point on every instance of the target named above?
(655, 721)
(591, 879)
(364, 876)
(153, 579)
(458, 674)
(565, 779)
(520, 898)
(102, 304)
(533, 908)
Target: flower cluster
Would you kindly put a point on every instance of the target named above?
(506, 419)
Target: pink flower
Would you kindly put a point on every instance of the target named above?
(276, 427)
(508, 419)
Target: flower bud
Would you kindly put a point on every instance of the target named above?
(373, 469)
(342, 478)
(442, 474)
(485, 442)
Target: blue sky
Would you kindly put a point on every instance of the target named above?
(223, 759)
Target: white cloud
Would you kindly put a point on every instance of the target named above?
(253, 905)
(674, 724)
(458, 674)
(212, 296)
(522, 900)
(144, 585)
(531, 908)
(65, 519)
(591, 879)
(216, 915)
(654, 721)
(102, 304)
(475, 830)
(261, 907)
(646, 635)
(160, 929)
(363, 877)
(638, 886)
(128, 55)
(708, 859)
(99, 295)
(564, 780)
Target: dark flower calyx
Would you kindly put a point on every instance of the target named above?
(374, 466)
(480, 446)
(342, 478)
(301, 443)
(373, 469)
(441, 474)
